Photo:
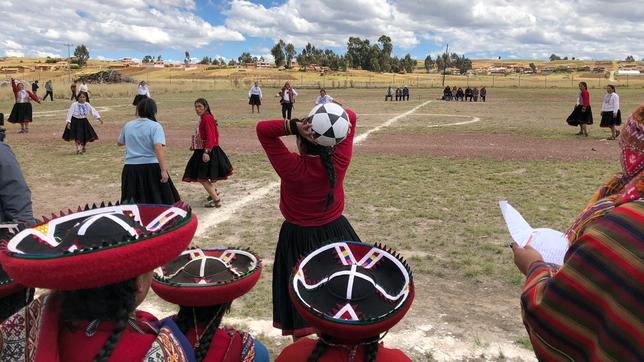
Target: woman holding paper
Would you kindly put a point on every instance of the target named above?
(590, 308)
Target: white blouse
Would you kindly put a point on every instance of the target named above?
(286, 97)
(144, 91)
(81, 110)
(255, 91)
(83, 88)
(611, 103)
(23, 97)
(324, 100)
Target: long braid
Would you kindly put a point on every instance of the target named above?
(371, 351)
(206, 338)
(318, 351)
(326, 155)
(114, 302)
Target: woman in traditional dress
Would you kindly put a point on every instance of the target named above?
(311, 201)
(21, 111)
(209, 163)
(582, 114)
(590, 308)
(145, 177)
(78, 128)
(204, 283)
(255, 97)
(96, 266)
(611, 115)
(142, 92)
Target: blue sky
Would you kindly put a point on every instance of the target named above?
(477, 28)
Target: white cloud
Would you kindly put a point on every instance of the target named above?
(108, 25)
(474, 27)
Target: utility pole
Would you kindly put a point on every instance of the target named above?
(445, 57)
(69, 59)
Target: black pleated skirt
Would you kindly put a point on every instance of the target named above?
(138, 98)
(294, 243)
(142, 184)
(578, 116)
(608, 120)
(21, 112)
(80, 131)
(218, 168)
(255, 100)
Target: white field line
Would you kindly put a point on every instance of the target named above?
(211, 219)
(360, 138)
(474, 120)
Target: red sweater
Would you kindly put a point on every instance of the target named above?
(585, 98)
(304, 179)
(208, 131)
(300, 351)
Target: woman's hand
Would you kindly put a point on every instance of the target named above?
(205, 157)
(165, 176)
(305, 129)
(524, 257)
(100, 120)
(69, 125)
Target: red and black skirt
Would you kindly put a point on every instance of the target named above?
(80, 131)
(295, 242)
(20, 113)
(218, 168)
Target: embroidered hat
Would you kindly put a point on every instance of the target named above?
(98, 246)
(350, 290)
(206, 277)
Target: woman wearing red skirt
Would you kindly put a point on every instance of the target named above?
(311, 201)
(208, 163)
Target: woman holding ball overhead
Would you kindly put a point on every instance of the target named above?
(311, 197)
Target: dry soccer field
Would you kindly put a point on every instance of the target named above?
(426, 179)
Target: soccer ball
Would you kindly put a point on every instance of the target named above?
(330, 124)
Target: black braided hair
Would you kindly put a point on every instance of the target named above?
(371, 351)
(147, 108)
(114, 302)
(185, 321)
(318, 351)
(326, 155)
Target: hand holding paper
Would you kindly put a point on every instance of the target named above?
(551, 244)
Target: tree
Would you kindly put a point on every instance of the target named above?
(375, 57)
(630, 58)
(186, 59)
(554, 57)
(232, 63)
(245, 58)
(408, 64)
(278, 53)
(290, 54)
(533, 67)
(385, 54)
(148, 59)
(565, 58)
(429, 63)
(82, 55)
(358, 53)
(214, 61)
(159, 58)
(205, 60)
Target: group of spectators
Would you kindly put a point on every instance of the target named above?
(469, 94)
(401, 94)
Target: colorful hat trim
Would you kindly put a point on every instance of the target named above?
(207, 277)
(353, 291)
(98, 246)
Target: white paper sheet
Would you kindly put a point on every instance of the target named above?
(552, 244)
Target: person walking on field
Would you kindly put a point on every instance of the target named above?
(287, 100)
(21, 111)
(142, 92)
(84, 89)
(35, 87)
(582, 114)
(78, 128)
(145, 178)
(49, 91)
(611, 115)
(208, 163)
(255, 97)
(311, 201)
(72, 89)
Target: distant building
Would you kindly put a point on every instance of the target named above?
(628, 72)
(264, 64)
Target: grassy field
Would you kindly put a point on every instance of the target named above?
(439, 209)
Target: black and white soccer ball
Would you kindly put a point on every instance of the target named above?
(330, 124)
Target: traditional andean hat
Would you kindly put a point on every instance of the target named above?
(207, 277)
(352, 291)
(98, 246)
